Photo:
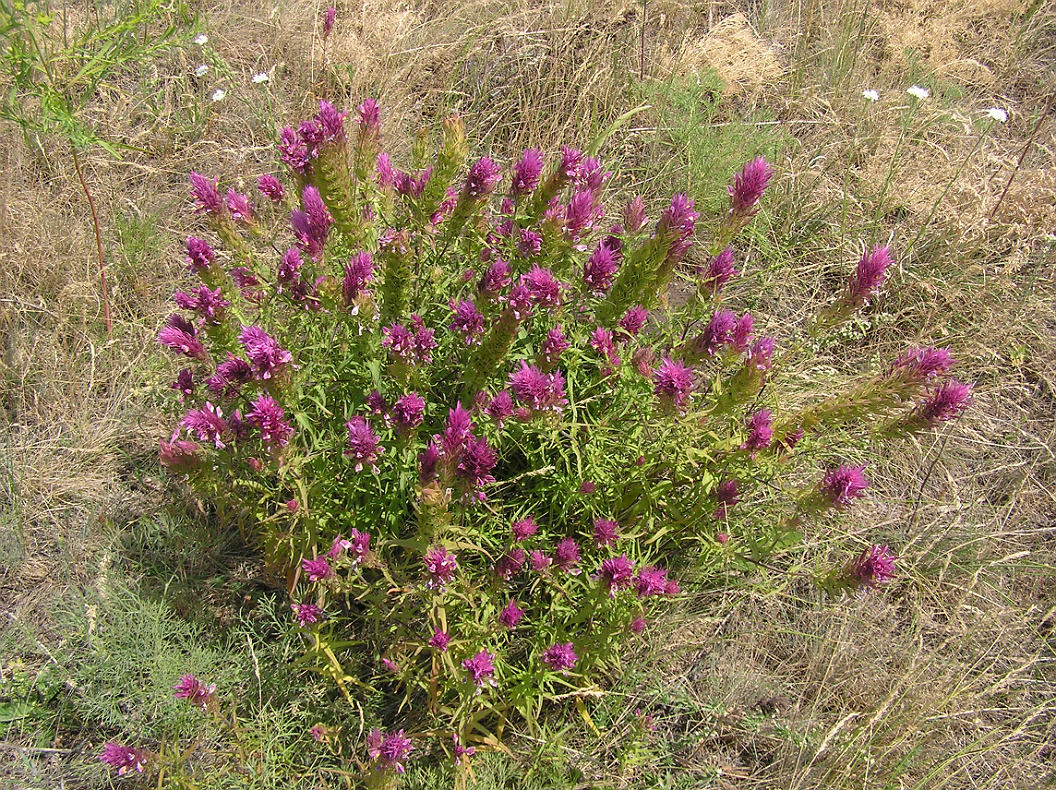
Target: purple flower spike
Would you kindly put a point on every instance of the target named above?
(123, 758)
(271, 188)
(293, 152)
(328, 21)
(269, 417)
(306, 613)
(760, 355)
(606, 532)
(945, 403)
(511, 563)
(678, 220)
(440, 640)
(545, 289)
(207, 424)
(719, 332)
(539, 559)
(616, 573)
(554, 345)
(481, 668)
(358, 272)
(179, 334)
(207, 194)
(869, 276)
(600, 269)
(844, 484)
(239, 206)
(524, 528)
(266, 356)
(194, 691)
(317, 568)
(440, 565)
(511, 615)
(566, 555)
(393, 751)
(727, 494)
(651, 580)
(408, 412)
(468, 321)
(760, 432)
(526, 172)
(184, 384)
(719, 270)
(363, 445)
(200, 255)
(633, 321)
(921, 364)
(483, 177)
(560, 657)
(634, 217)
(874, 566)
(495, 278)
(529, 244)
(673, 383)
(749, 185)
(500, 407)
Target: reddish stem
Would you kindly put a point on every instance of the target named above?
(98, 243)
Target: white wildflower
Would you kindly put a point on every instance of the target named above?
(918, 92)
(261, 77)
(201, 39)
(997, 114)
(201, 70)
(871, 95)
(219, 94)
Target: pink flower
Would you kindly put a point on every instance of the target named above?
(468, 322)
(634, 217)
(524, 528)
(239, 206)
(306, 613)
(566, 555)
(510, 564)
(462, 752)
(207, 424)
(526, 172)
(633, 321)
(560, 657)
(874, 566)
(616, 573)
(651, 580)
(529, 244)
(123, 758)
(483, 177)
(179, 455)
(553, 346)
(869, 276)
(200, 255)
(844, 484)
(638, 625)
(921, 364)
(605, 532)
(328, 21)
(268, 416)
(440, 640)
(393, 751)
(760, 432)
(271, 188)
(363, 445)
(511, 615)
(358, 272)
(749, 185)
(719, 270)
(539, 559)
(181, 335)
(207, 194)
(317, 568)
(726, 495)
(440, 565)
(601, 268)
(673, 383)
(544, 288)
(945, 403)
(194, 691)
(265, 355)
(408, 412)
(481, 668)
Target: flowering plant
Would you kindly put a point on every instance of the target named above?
(481, 430)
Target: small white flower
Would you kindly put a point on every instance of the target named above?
(871, 95)
(201, 39)
(261, 77)
(997, 114)
(219, 94)
(918, 92)
(201, 71)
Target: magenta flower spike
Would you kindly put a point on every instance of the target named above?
(468, 321)
(266, 356)
(945, 403)
(393, 752)
(317, 568)
(206, 193)
(481, 668)
(922, 364)
(748, 187)
(440, 566)
(511, 615)
(524, 528)
(194, 691)
(874, 566)
(606, 532)
(363, 445)
(600, 269)
(718, 271)
(760, 432)
(560, 657)
(844, 484)
(483, 177)
(359, 271)
(511, 563)
(306, 613)
(526, 172)
(123, 758)
(200, 255)
(329, 17)
(634, 217)
(440, 640)
(566, 555)
(869, 276)
(408, 412)
(270, 418)
(239, 206)
(673, 384)
(616, 573)
(181, 335)
(271, 188)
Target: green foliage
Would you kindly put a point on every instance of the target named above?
(54, 72)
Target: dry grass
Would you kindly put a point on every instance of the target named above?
(946, 680)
